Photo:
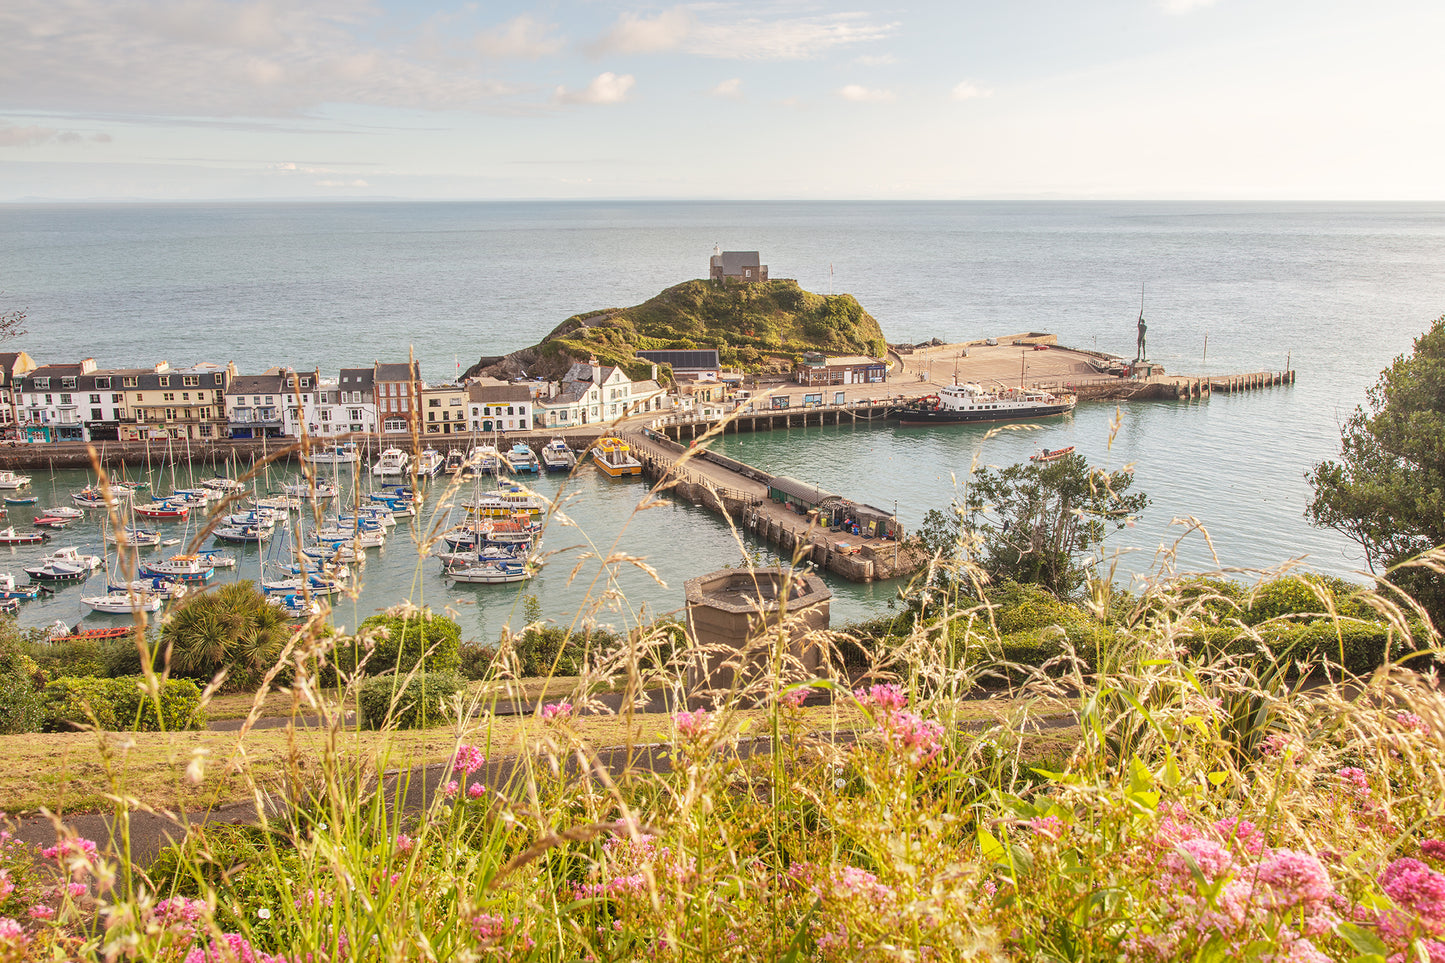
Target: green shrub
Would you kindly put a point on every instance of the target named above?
(552, 650)
(1022, 608)
(234, 861)
(401, 641)
(1356, 646)
(120, 704)
(233, 628)
(82, 657)
(1300, 595)
(474, 662)
(22, 709)
(409, 702)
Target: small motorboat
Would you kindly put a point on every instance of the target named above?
(122, 603)
(64, 565)
(556, 456)
(9, 536)
(52, 521)
(242, 534)
(214, 557)
(295, 606)
(181, 568)
(454, 462)
(21, 499)
(17, 593)
(1047, 455)
(9, 481)
(521, 458)
(489, 572)
(99, 497)
(429, 463)
(64, 511)
(164, 511)
(139, 537)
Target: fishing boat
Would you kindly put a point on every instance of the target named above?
(18, 593)
(162, 511)
(181, 568)
(138, 537)
(122, 603)
(521, 458)
(9, 481)
(455, 459)
(1047, 455)
(556, 456)
(481, 460)
(242, 534)
(9, 536)
(340, 454)
(392, 463)
(970, 403)
(64, 565)
(21, 499)
(488, 572)
(429, 463)
(614, 457)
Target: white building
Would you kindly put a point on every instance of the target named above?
(497, 406)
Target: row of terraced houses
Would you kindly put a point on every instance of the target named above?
(83, 402)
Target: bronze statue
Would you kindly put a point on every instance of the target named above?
(1143, 328)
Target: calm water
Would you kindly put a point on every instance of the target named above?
(1337, 289)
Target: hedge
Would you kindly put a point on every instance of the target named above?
(409, 702)
(401, 642)
(120, 704)
(1357, 646)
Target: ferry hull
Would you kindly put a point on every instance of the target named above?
(914, 418)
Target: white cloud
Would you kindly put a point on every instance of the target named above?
(519, 38)
(968, 90)
(606, 88)
(352, 183)
(876, 60)
(865, 95)
(1178, 7)
(725, 31)
(34, 136)
(731, 88)
(214, 58)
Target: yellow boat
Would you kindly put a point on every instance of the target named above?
(614, 456)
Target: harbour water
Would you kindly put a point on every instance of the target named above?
(1333, 290)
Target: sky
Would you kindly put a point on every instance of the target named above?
(768, 99)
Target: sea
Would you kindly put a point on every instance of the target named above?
(1333, 291)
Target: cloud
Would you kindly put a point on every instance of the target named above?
(352, 183)
(519, 38)
(724, 31)
(35, 136)
(864, 95)
(227, 58)
(876, 60)
(1179, 7)
(606, 88)
(968, 90)
(731, 88)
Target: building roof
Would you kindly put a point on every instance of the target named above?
(353, 379)
(684, 359)
(733, 262)
(400, 371)
(498, 394)
(842, 361)
(802, 491)
(261, 384)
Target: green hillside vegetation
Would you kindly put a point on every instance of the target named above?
(753, 326)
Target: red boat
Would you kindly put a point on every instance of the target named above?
(116, 632)
(1047, 455)
(53, 521)
(9, 536)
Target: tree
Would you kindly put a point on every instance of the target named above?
(1387, 490)
(232, 628)
(1035, 523)
(12, 325)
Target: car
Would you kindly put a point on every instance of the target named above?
(991, 342)
(1041, 347)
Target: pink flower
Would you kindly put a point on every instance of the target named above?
(1431, 848)
(794, 698)
(475, 790)
(7, 885)
(1355, 777)
(451, 789)
(1413, 722)
(41, 912)
(917, 738)
(12, 934)
(1295, 878)
(556, 711)
(1209, 857)
(693, 725)
(77, 890)
(889, 697)
(469, 759)
(1050, 826)
(1419, 889)
(74, 846)
(404, 843)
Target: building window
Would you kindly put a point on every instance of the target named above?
(102, 382)
(67, 382)
(64, 399)
(95, 399)
(168, 396)
(95, 414)
(128, 382)
(190, 381)
(354, 414)
(42, 383)
(165, 382)
(395, 424)
(116, 399)
(205, 431)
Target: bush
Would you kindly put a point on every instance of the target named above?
(82, 657)
(1357, 646)
(1023, 608)
(409, 702)
(1300, 595)
(234, 861)
(474, 662)
(120, 704)
(22, 709)
(232, 628)
(552, 650)
(400, 641)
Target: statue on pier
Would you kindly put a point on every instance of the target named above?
(1143, 329)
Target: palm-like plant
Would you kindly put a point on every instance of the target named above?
(233, 628)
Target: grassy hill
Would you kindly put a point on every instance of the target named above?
(753, 326)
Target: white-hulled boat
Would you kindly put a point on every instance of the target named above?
(65, 511)
(280, 503)
(556, 456)
(311, 584)
(9, 481)
(159, 587)
(123, 603)
(521, 458)
(64, 565)
(429, 463)
(181, 568)
(392, 463)
(614, 457)
(489, 572)
(456, 458)
(139, 537)
(506, 503)
(96, 497)
(482, 460)
(220, 483)
(360, 537)
(343, 454)
(969, 403)
(214, 557)
(9, 590)
(295, 606)
(304, 489)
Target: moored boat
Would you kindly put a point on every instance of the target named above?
(19, 593)
(21, 499)
(521, 458)
(392, 463)
(181, 568)
(342, 454)
(455, 459)
(614, 457)
(9, 481)
(429, 463)
(508, 502)
(481, 460)
(64, 565)
(970, 403)
(122, 603)
(556, 456)
(488, 572)
(162, 511)
(1046, 455)
(9, 536)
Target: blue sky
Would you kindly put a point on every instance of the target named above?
(192, 99)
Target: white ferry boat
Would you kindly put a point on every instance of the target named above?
(391, 464)
(971, 403)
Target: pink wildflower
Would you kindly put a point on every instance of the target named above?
(41, 912)
(1431, 848)
(918, 738)
(1295, 878)
(178, 909)
(451, 789)
(794, 698)
(1275, 744)
(1050, 826)
(475, 790)
(1209, 857)
(889, 697)
(7, 885)
(77, 890)
(12, 934)
(404, 843)
(1419, 889)
(556, 711)
(693, 725)
(469, 759)
(1355, 777)
(1413, 722)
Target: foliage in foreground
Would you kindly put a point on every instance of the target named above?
(1158, 801)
